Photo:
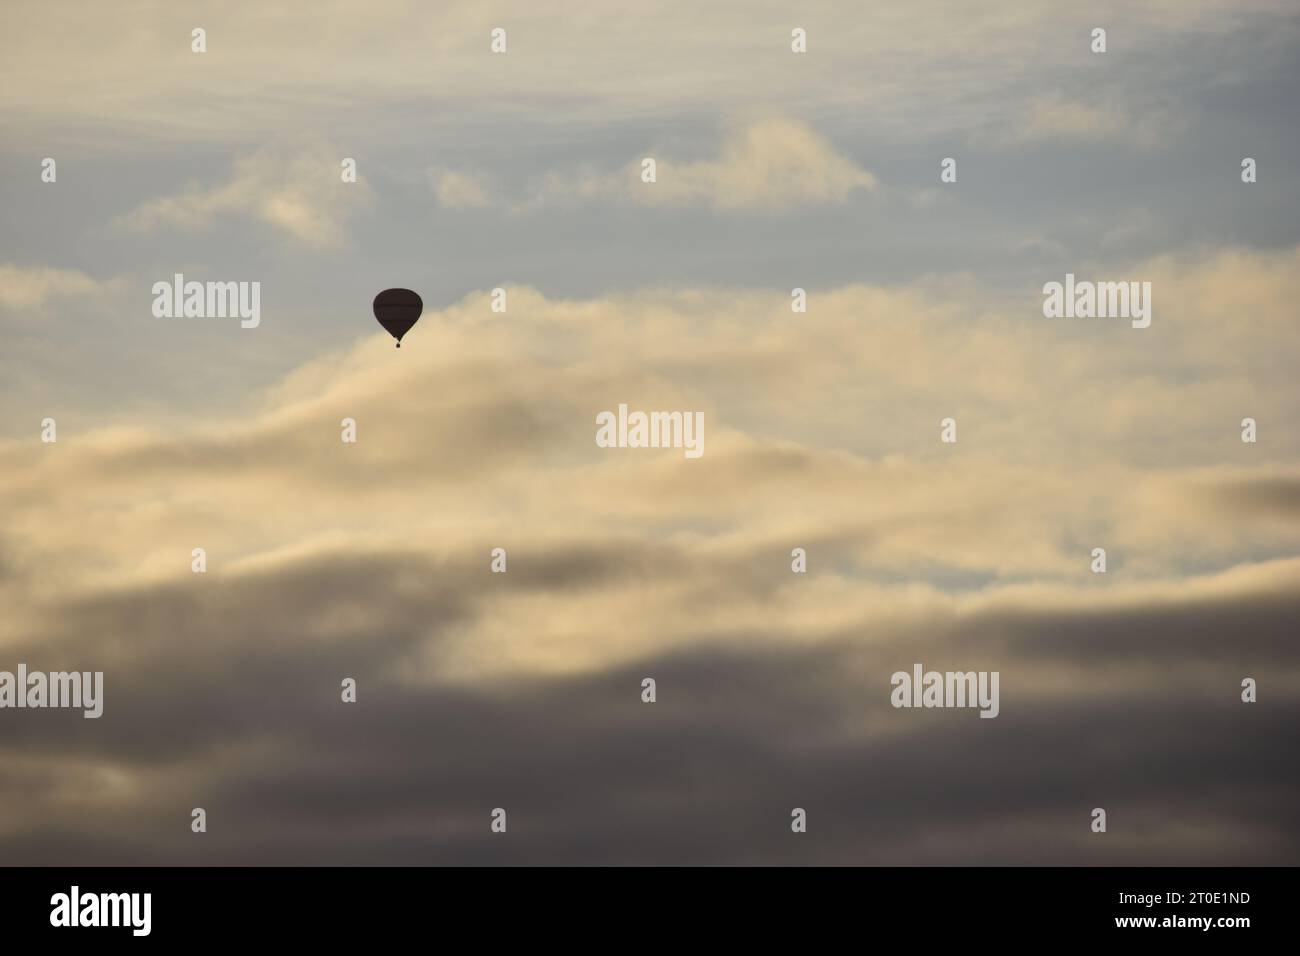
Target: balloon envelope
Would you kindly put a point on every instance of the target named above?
(397, 310)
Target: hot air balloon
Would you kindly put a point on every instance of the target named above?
(397, 310)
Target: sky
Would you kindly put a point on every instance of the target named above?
(521, 171)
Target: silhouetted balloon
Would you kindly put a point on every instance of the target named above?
(397, 310)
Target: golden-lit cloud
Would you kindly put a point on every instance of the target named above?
(372, 560)
(300, 195)
(772, 164)
(822, 431)
(29, 287)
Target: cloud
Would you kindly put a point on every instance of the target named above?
(372, 561)
(300, 195)
(28, 287)
(589, 774)
(914, 70)
(517, 394)
(457, 189)
(769, 165)
(522, 690)
(1060, 119)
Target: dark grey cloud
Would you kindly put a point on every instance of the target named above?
(222, 691)
(225, 695)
